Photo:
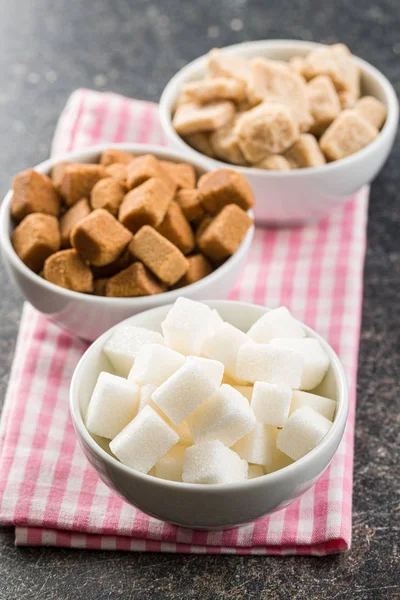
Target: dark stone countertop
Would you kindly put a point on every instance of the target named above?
(50, 47)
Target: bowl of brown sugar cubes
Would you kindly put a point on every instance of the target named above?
(104, 233)
(209, 414)
(307, 124)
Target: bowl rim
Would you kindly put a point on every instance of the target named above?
(80, 156)
(339, 422)
(169, 94)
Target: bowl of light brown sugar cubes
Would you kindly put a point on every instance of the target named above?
(104, 233)
(307, 124)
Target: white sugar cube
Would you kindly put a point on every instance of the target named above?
(183, 392)
(325, 406)
(263, 362)
(112, 406)
(275, 323)
(213, 462)
(225, 416)
(258, 446)
(271, 403)
(146, 392)
(304, 429)
(187, 325)
(154, 364)
(144, 441)
(213, 368)
(255, 471)
(279, 461)
(170, 466)
(122, 347)
(216, 319)
(224, 346)
(245, 390)
(316, 360)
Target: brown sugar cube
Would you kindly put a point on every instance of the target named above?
(119, 172)
(33, 192)
(225, 144)
(305, 152)
(223, 64)
(225, 233)
(111, 269)
(222, 187)
(99, 286)
(199, 267)
(189, 201)
(176, 228)
(67, 269)
(146, 167)
(145, 205)
(347, 134)
(108, 193)
(324, 103)
(266, 129)
(113, 155)
(337, 63)
(202, 226)
(182, 174)
(347, 100)
(372, 110)
(296, 64)
(57, 172)
(35, 238)
(100, 238)
(76, 213)
(78, 181)
(159, 255)
(192, 118)
(275, 162)
(134, 281)
(213, 89)
(200, 142)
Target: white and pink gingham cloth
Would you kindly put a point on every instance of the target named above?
(48, 490)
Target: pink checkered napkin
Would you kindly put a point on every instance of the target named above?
(49, 492)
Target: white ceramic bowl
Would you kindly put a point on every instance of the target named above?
(89, 316)
(206, 506)
(301, 195)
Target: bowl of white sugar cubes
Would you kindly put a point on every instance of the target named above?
(209, 415)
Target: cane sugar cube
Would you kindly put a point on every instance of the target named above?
(255, 471)
(275, 323)
(224, 346)
(119, 172)
(192, 118)
(271, 403)
(68, 270)
(280, 460)
(213, 89)
(70, 218)
(257, 446)
(33, 193)
(337, 63)
(176, 228)
(324, 406)
(225, 144)
(201, 142)
(145, 167)
(133, 281)
(122, 347)
(189, 201)
(263, 362)
(112, 406)
(145, 440)
(187, 325)
(274, 162)
(199, 267)
(324, 103)
(305, 153)
(154, 363)
(225, 416)
(146, 204)
(112, 156)
(35, 239)
(108, 193)
(222, 187)
(212, 462)
(349, 133)
(213, 368)
(304, 429)
(223, 64)
(170, 466)
(372, 110)
(78, 181)
(182, 174)
(316, 360)
(223, 236)
(245, 390)
(183, 392)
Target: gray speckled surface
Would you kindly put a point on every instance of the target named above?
(50, 47)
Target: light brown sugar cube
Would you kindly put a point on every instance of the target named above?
(145, 205)
(199, 267)
(118, 171)
(113, 155)
(347, 100)
(99, 286)
(222, 187)
(225, 144)
(99, 238)
(76, 213)
(192, 118)
(305, 152)
(33, 192)
(200, 142)
(57, 172)
(338, 63)
(347, 134)
(275, 162)
(108, 193)
(225, 233)
(182, 174)
(213, 89)
(78, 181)
(266, 129)
(202, 226)
(133, 281)
(324, 103)
(176, 228)
(146, 167)
(67, 269)
(223, 64)
(35, 238)
(116, 266)
(159, 255)
(296, 63)
(372, 110)
(189, 201)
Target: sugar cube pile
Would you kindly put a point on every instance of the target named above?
(203, 402)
